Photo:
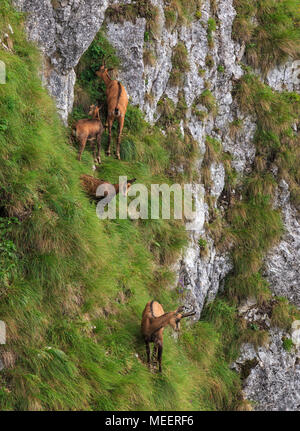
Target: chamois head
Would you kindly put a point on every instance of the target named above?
(103, 71)
(178, 315)
(94, 110)
(126, 186)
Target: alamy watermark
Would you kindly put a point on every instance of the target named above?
(2, 332)
(164, 201)
(2, 72)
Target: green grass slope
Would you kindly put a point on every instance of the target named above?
(72, 287)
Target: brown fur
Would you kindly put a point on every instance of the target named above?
(117, 101)
(90, 130)
(154, 320)
(90, 185)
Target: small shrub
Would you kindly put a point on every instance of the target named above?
(270, 30)
(180, 64)
(198, 14)
(170, 17)
(149, 58)
(287, 344)
(138, 8)
(208, 100)
(209, 61)
(282, 314)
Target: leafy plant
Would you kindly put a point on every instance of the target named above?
(287, 344)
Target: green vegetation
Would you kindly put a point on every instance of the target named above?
(211, 28)
(182, 12)
(214, 6)
(209, 61)
(198, 14)
(287, 344)
(149, 58)
(180, 64)
(234, 127)
(208, 100)
(136, 9)
(202, 243)
(73, 287)
(275, 139)
(283, 313)
(270, 29)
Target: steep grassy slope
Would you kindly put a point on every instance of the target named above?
(73, 287)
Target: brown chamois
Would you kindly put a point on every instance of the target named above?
(90, 185)
(154, 319)
(117, 101)
(89, 130)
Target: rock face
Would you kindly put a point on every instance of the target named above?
(65, 28)
(283, 262)
(274, 381)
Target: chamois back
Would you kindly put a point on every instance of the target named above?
(157, 309)
(117, 101)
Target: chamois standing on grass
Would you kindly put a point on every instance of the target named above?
(90, 130)
(154, 320)
(117, 101)
(91, 184)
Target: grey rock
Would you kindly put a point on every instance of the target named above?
(283, 262)
(131, 55)
(285, 77)
(274, 382)
(63, 30)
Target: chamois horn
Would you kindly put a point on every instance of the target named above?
(180, 309)
(189, 313)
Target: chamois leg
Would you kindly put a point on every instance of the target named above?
(98, 159)
(154, 354)
(148, 352)
(159, 355)
(110, 123)
(121, 125)
(82, 146)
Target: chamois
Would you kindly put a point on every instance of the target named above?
(154, 319)
(89, 130)
(117, 101)
(90, 185)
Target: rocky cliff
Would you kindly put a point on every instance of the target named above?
(64, 29)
